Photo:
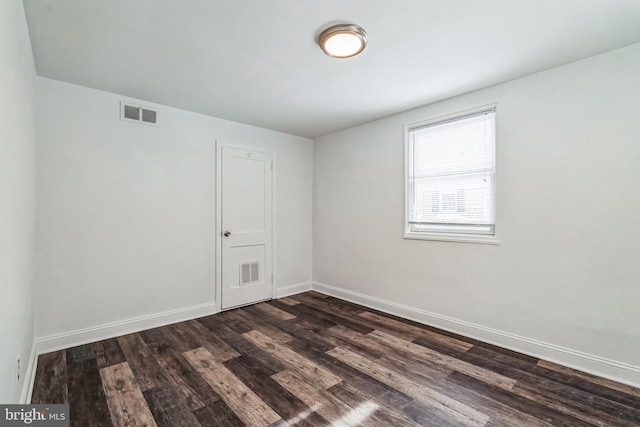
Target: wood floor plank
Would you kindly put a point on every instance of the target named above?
(577, 411)
(303, 315)
(360, 343)
(500, 414)
(289, 301)
(325, 378)
(504, 351)
(462, 413)
(127, 404)
(141, 361)
(153, 335)
(218, 414)
(243, 401)
(623, 388)
(412, 369)
(519, 403)
(274, 311)
(178, 338)
(416, 332)
(80, 353)
(88, 404)
(404, 330)
(194, 394)
(433, 345)
(177, 373)
(50, 384)
(337, 315)
(383, 415)
(301, 330)
(375, 349)
(107, 353)
(378, 391)
(311, 324)
(285, 404)
(531, 375)
(588, 387)
(314, 294)
(269, 364)
(594, 407)
(169, 409)
(452, 362)
(259, 323)
(234, 320)
(324, 403)
(428, 416)
(312, 342)
(195, 335)
(352, 308)
(217, 347)
(557, 390)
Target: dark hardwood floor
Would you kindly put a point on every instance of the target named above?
(313, 360)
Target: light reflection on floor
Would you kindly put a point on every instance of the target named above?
(355, 417)
(301, 416)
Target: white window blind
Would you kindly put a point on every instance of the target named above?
(451, 175)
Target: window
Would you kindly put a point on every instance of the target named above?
(451, 177)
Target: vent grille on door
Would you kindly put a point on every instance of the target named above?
(249, 272)
(138, 113)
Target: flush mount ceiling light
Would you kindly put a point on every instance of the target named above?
(343, 40)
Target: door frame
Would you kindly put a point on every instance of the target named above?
(218, 228)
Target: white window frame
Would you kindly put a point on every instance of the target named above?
(451, 235)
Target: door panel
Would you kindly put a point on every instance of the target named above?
(246, 204)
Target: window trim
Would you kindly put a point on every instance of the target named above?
(448, 236)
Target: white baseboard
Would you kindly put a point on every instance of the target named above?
(30, 375)
(110, 330)
(596, 365)
(296, 288)
(114, 329)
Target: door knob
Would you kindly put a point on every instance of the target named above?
(227, 233)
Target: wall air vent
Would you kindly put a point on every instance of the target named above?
(138, 113)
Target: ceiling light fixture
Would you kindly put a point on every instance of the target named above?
(343, 40)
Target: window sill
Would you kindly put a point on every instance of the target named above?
(462, 238)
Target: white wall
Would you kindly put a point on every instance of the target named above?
(566, 272)
(17, 196)
(126, 212)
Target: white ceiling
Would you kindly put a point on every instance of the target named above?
(257, 61)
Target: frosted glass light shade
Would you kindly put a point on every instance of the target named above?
(343, 40)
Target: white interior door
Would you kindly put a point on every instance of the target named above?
(246, 226)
